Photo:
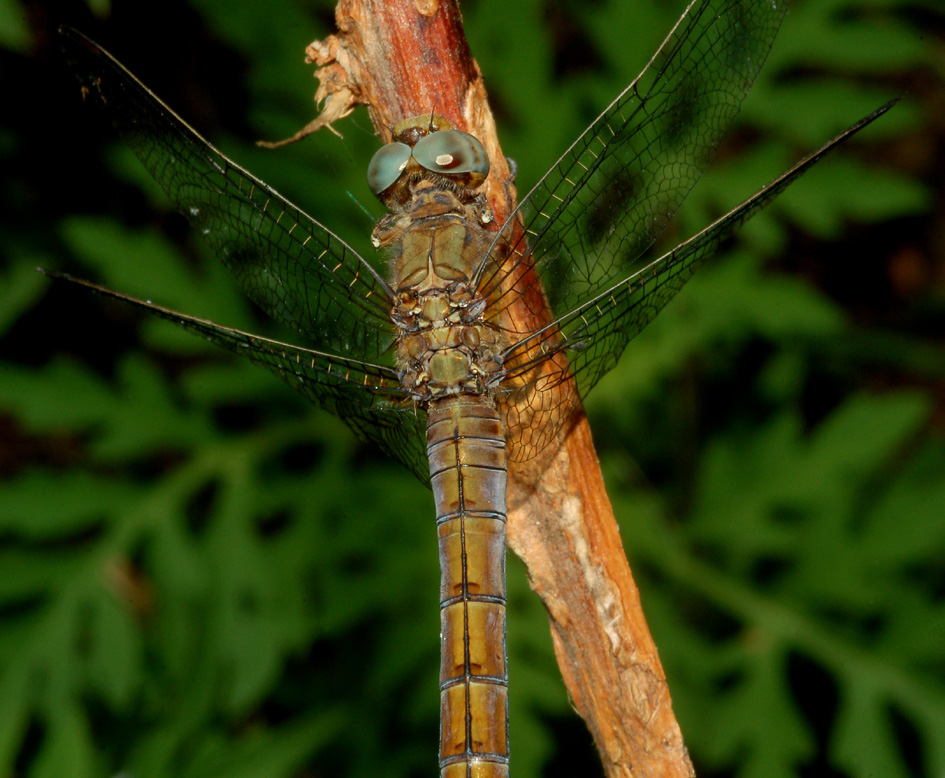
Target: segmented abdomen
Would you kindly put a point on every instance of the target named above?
(466, 447)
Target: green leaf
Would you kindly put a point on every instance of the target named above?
(268, 754)
(67, 748)
(755, 719)
(14, 33)
(20, 288)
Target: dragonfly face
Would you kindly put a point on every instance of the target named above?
(429, 148)
(430, 365)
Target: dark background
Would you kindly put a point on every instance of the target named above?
(202, 575)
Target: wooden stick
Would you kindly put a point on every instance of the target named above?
(405, 58)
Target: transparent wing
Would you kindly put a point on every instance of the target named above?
(602, 205)
(294, 268)
(367, 397)
(587, 341)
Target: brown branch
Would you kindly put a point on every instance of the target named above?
(405, 59)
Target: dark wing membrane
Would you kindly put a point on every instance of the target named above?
(367, 397)
(294, 268)
(593, 335)
(602, 205)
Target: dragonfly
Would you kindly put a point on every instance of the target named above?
(425, 360)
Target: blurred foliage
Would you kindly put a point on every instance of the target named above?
(200, 575)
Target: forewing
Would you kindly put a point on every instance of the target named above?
(367, 397)
(587, 341)
(294, 268)
(602, 205)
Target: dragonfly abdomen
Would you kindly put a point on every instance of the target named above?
(466, 449)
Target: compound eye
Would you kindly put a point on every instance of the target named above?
(452, 151)
(386, 166)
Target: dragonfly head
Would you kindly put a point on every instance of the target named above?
(426, 147)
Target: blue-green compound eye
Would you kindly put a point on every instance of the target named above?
(452, 151)
(386, 166)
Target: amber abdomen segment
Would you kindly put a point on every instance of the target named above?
(466, 447)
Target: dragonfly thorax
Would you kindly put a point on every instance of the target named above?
(444, 347)
(442, 361)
